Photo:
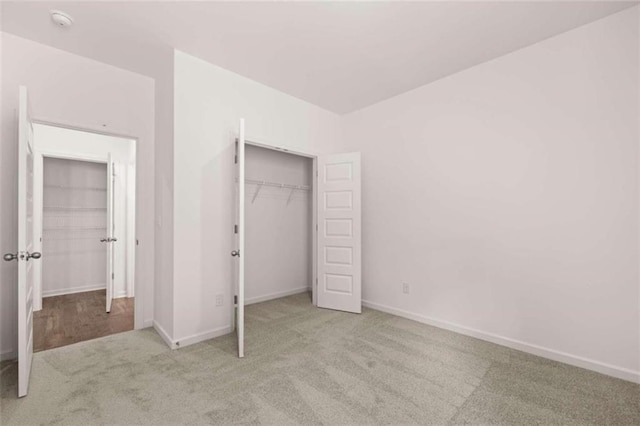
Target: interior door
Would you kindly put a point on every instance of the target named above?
(24, 256)
(238, 253)
(110, 239)
(339, 266)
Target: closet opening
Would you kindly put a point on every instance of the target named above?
(84, 226)
(279, 224)
(297, 229)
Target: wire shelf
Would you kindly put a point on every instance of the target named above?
(65, 208)
(69, 238)
(74, 188)
(76, 228)
(277, 184)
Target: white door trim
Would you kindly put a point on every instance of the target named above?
(88, 129)
(79, 156)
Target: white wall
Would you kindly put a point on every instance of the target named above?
(278, 242)
(507, 197)
(209, 101)
(57, 141)
(163, 188)
(69, 89)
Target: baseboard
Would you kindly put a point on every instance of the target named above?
(201, 337)
(277, 295)
(577, 361)
(72, 290)
(75, 290)
(190, 340)
(165, 336)
(5, 356)
(147, 323)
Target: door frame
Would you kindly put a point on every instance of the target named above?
(39, 158)
(314, 203)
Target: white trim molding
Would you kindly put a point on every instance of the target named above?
(577, 361)
(276, 295)
(190, 340)
(73, 290)
(165, 336)
(201, 337)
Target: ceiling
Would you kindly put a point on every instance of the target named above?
(341, 56)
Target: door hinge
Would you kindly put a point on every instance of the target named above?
(316, 282)
(112, 275)
(137, 242)
(235, 300)
(235, 157)
(316, 227)
(235, 229)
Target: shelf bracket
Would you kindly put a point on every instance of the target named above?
(291, 194)
(255, 195)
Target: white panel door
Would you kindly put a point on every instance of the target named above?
(25, 256)
(238, 253)
(110, 240)
(339, 232)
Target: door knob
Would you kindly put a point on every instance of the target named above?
(235, 253)
(34, 255)
(103, 240)
(10, 256)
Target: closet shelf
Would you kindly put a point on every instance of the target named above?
(74, 252)
(75, 228)
(67, 238)
(277, 184)
(82, 188)
(75, 208)
(290, 187)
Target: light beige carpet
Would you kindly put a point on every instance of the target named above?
(311, 366)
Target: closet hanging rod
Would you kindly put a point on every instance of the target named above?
(277, 185)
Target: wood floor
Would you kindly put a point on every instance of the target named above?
(73, 318)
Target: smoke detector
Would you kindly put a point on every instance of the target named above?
(61, 19)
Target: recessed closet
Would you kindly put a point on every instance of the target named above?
(279, 224)
(74, 222)
(297, 228)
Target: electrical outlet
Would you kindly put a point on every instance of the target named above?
(405, 288)
(219, 300)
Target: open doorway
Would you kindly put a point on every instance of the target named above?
(84, 225)
(279, 224)
(311, 245)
